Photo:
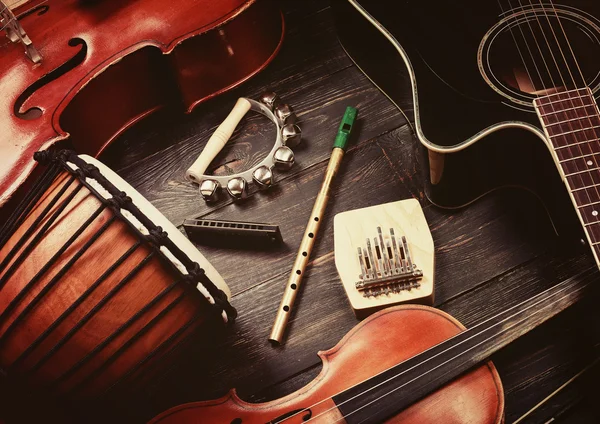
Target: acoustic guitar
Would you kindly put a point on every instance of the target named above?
(80, 72)
(504, 94)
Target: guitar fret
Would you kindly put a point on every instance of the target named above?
(585, 188)
(578, 157)
(589, 204)
(570, 114)
(586, 91)
(575, 144)
(571, 120)
(579, 92)
(581, 172)
(569, 100)
(575, 131)
(565, 110)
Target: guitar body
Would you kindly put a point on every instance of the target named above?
(473, 108)
(107, 64)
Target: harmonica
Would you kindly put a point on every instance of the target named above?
(232, 233)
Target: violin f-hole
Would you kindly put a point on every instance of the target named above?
(39, 9)
(306, 415)
(35, 111)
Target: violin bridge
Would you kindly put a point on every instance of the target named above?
(15, 32)
(388, 267)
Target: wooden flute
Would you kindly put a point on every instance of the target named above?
(308, 240)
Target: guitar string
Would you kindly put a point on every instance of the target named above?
(569, 99)
(576, 61)
(536, 299)
(572, 103)
(568, 42)
(554, 111)
(504, 330)
(554, 83)
(558, 42)
(566, 63)
(517, 44)
(551, 104)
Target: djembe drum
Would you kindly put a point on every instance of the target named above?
(98, 290)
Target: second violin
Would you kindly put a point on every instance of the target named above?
(388, 369)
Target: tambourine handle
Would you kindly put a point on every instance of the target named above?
(218, 140)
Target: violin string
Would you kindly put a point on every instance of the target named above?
(552, 106)
(504, 330)
(545, 88)
(16, 18)
(474, 328)
(33, 7)
(10, 5)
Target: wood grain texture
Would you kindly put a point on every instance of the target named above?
(91, 85)
(131, 302)
(492, 254)
(352, 228)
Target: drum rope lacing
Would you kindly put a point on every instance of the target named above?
(88, 175)
(157, 237)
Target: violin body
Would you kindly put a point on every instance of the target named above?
(107, 64)
(376, 344)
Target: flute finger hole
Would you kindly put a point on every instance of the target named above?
(286, 308)
(316, 218)
(293, 287)
(298, 272)
(311, 235)
(304, 254)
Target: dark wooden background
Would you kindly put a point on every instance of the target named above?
(494, 253)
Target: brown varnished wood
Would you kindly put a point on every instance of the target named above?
(141, 56)
(381, 341)
(139, 291)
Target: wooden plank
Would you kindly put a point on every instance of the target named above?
(535, 365)
(322, 315)
(309, 54)
(161, 177)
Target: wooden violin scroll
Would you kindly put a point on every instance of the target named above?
(378, 343)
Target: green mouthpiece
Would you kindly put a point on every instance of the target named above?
(341, 139)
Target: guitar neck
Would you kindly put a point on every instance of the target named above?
(571, 121)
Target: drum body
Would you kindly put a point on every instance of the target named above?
(98, 291)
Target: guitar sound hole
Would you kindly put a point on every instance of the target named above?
(35, 112)
(538, 50)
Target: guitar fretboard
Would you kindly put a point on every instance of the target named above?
(571, 120)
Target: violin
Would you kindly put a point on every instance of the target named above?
(81, 72)
(406, 364)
